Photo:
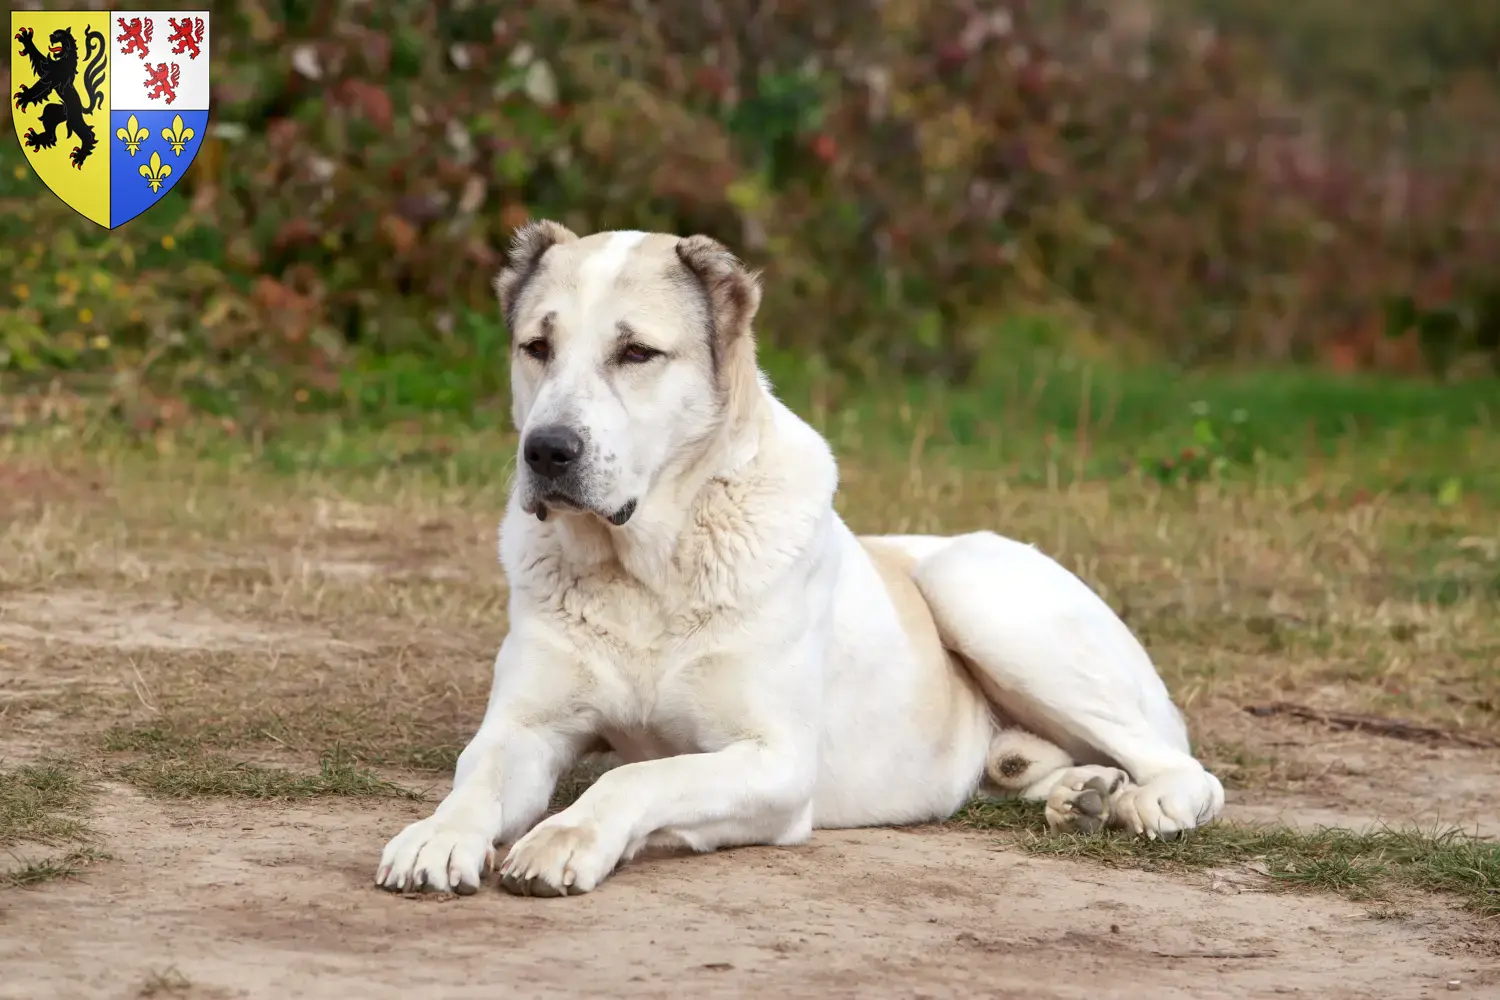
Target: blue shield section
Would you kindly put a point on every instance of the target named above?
(149, 158)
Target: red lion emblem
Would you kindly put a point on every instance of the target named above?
(134, 37)
(187, 33)
(162, 86)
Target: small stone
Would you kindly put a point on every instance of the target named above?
(1454, 984)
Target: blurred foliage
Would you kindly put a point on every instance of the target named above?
(1313, 181)
(1401, 52)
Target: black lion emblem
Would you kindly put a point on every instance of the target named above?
(56, 75)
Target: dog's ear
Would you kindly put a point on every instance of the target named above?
(731, 291)
(527, 247)
(732, 294)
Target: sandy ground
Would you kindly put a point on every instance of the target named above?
(226, 898)
(233, 900)
(215, 898)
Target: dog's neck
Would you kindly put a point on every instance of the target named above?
(645, 546)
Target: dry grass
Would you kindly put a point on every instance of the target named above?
(42, 807)
(211, 775)
(211, 627)
(321, 609)
(168, 982)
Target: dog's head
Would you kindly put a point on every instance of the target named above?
(629, 352)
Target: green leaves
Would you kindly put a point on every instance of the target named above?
(909, 182)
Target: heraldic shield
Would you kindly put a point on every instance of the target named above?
(111, 107)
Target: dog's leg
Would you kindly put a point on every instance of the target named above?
(754, 786)
(1055, 658)
(531, 733)
(1079, 799)
(750, 792)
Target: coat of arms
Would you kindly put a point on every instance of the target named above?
(110, 106)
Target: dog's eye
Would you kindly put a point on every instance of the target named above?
(638, 354)
(537, 350)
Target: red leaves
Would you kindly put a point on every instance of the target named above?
(951, 55)
(824, 147)
(284, 309)
(514, 215)
(398, 233)
(295, 232)
(281, 133)
(712, 80)
(369, 100)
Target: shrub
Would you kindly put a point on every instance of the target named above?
(906, 171)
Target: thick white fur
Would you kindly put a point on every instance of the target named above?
(760, 669)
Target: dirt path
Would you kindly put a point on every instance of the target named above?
(264, 645)
(233, 900)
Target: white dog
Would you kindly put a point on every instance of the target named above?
(683, 593)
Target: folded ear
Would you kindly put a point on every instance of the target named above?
(732, 294)
(731, 291)
(527, 248)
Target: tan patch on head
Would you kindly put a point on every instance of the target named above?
(527, 248)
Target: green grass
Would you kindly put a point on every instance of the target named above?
(1041, 415)
(1363, 865)
(69, 865)
(39, 802)
(42, 804)
(1031, 416)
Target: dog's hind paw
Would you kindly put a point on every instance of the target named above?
(1083, 801)
(1170, 804)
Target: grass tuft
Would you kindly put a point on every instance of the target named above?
(215, 775)
(41, 804)
(1358, 865)
(168, 982)
(156, 739)
(70, 865)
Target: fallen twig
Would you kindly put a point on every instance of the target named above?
(1214, 954)
(1394, 728)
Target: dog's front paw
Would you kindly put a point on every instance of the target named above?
(557, 859)
(441, 855)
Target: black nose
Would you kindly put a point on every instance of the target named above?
(551, 451)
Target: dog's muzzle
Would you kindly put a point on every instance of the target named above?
(552, 453)
(542, 504)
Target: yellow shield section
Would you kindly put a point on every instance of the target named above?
(59, 67)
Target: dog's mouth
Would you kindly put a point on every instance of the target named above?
(540, 507)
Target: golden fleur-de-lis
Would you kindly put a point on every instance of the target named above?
(177, 135)
(156, 171)
(132, 135)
